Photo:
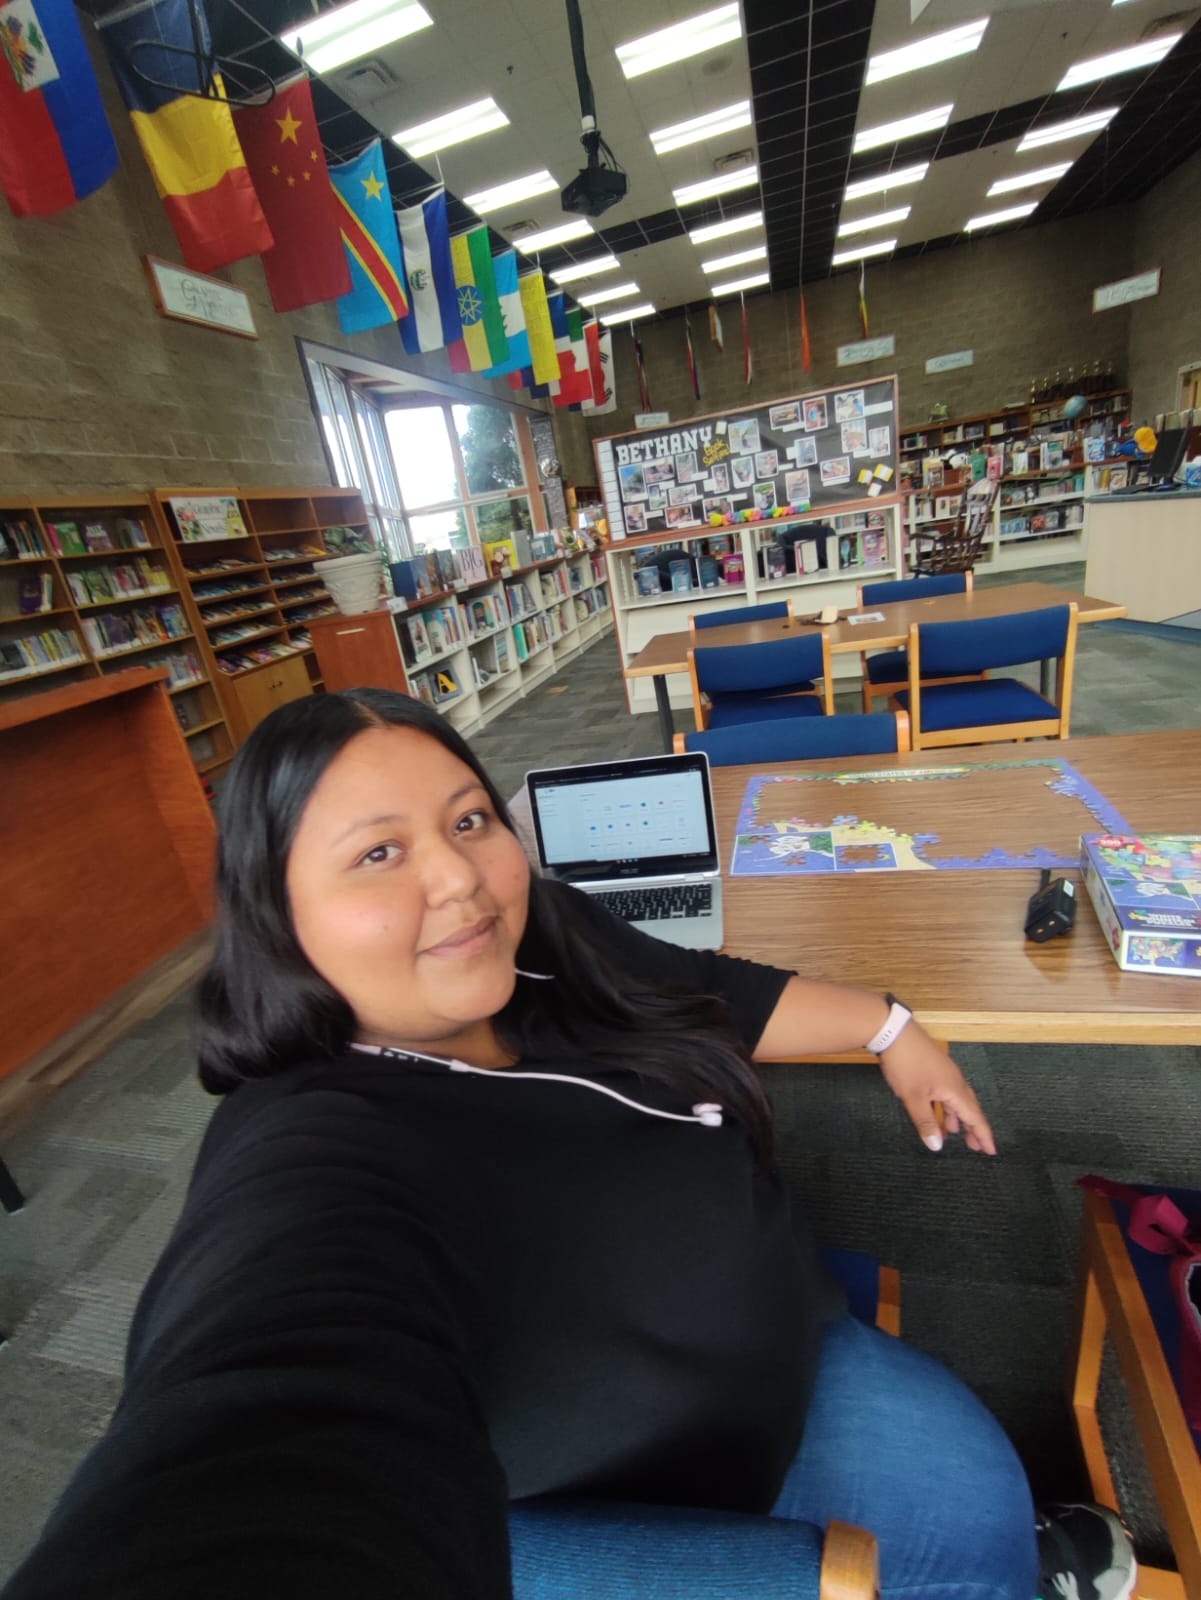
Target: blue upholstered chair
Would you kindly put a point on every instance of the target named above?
(728, 616)
(989, 708)
(759, 682)
(800, 739)
(888, 670)
(565, 1548)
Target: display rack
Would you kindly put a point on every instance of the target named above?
(1004, 423)
(836, 569)
(490, 643)
(1037, 519)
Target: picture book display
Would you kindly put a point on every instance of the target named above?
(757, 463)
(214, 516)
(836, 822)
(1146, 892)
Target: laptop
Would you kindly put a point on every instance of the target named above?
(640, 836)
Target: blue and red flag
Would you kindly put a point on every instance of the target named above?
(56, 146)
(368, 223)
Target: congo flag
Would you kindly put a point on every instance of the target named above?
(372, 243)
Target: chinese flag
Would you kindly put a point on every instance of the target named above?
(287, 165)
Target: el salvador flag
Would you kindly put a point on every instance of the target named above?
(433, 319)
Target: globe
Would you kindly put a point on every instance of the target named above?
(1076, 406)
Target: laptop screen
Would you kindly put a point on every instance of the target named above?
(646, 818)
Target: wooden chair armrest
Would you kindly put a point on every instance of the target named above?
(850, 1564)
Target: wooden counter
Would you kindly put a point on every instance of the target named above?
(108, 850)
(1145, 550)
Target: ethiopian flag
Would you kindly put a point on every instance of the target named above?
(484, 342)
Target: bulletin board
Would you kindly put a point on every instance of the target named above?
(819, 450)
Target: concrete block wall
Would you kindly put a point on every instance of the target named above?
(97, 391)
(1021, 301)
(1165, 332)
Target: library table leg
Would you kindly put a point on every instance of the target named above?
(667, 725)
(11, 1197)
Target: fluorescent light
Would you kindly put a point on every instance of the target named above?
(585, 269)
(896, 179)
(1027, 180)
(927, 52)
(992, 218)
(710, 126)
(740, 258)
(354, 30)
(882, 219)
(1074, 128)
(468, 122)
(722, 230)
(759, 281)
(881, 247)
(561, 233)
(628, 313)
(742, 179)
(661, 49)
(905, 128)
(1128, 60)
(598, 297)
(511, 193)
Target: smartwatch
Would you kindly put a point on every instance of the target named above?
(898, 1019)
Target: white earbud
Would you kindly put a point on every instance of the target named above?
(543, 977)
(708, 1115)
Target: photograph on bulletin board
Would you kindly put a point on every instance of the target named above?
(786, 457)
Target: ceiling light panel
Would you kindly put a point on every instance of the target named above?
(724, 184)
(927, 52)
(511, 193)
(355, 30)
(585, 269)
(456, 127)
(599, 297)
(1073, 128)
(882, 219)
(905, 128)
(1027, 180)
(627, 314)
(711, 126)
(723, 230)
(759, 280)
(896, 179)
(740, 258)
(668, 45)
(1137, 57)
(992, 218)
(561, 233)
(881, 247)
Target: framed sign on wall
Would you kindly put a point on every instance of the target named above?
(192, 297)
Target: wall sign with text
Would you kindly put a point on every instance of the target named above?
(820, 449)
(948, 363)
(850, 355)
(192, 297)
(1141, 287)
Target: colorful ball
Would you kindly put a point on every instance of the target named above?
(1076, 406)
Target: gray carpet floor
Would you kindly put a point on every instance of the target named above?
(986, 1249)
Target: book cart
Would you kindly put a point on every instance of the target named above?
(473, 648)
(832, 451)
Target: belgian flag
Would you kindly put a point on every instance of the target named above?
(189, 140)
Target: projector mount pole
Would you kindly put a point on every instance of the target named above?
(590, 137)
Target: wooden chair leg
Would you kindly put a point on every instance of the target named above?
(850, 1564)
(888, 1301)
(11, 1197)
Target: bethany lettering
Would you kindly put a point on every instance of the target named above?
(667, 444)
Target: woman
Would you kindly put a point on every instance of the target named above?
(488, 1211)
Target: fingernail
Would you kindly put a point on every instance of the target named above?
(933, 1142)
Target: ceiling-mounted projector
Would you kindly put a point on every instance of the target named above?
(601, 183)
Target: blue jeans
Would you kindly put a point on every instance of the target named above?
(895, 1444)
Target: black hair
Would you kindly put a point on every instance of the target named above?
(263, 1007)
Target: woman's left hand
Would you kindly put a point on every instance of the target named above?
(923, 1077)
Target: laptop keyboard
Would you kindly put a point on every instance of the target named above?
(655, 905)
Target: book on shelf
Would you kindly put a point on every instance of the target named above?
(709, 571)
(419, 643)
(448, 572)
(19, 537)
(809, 554)
(35, 592)
(503, 662)
(647, 581)
(66, 539)
(470, 566)
(38, 651)
(96, 536)
(435, 632)
(873, 547)
(520, 643)
(681, 574)
(421, 687)
(201, 517)
(775, 562)
(131, 534)
(848, 550)
(445, 685)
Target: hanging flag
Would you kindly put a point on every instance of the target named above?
(609, 400)
(56, 146)
(189, 141)
(372, 243)
(508, 292)
(433, 320)
(644, 392)
(806, 353)
(544, 362)
(483, 343)
(596, 371)
(863, 298)
(694, 376)
(282, 146)
(575, 380)
(715, 328)
(748, 359)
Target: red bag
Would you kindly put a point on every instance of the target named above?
(1157, 1224)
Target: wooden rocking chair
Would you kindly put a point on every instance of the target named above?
(957, 548)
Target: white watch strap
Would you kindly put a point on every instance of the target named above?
(895, 1023)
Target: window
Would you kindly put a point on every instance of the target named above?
(488, 441)
(421, 448)
(359, 455)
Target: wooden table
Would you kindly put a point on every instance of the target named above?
(668, 652)
(950, 943)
